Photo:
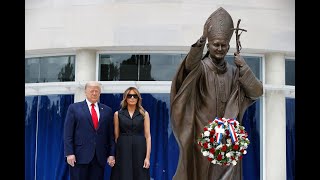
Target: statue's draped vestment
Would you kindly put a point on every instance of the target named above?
(202, 90)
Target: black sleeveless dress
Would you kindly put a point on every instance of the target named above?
(131, 148)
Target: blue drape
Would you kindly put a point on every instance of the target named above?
(44, 119)
(251, 160)
(290, 138)
(46, 134)
(30, 123)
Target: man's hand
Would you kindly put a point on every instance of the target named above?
(71, 159)
(238, 60)
(111, 161)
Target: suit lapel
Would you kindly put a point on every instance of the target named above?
(102, 114)
(87, 113)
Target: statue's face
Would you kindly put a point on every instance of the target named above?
(218, 48)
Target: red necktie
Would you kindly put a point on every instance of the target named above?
(94, 116)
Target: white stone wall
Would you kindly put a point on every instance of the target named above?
(99, 24)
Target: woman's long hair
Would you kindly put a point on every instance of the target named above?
(124, 103)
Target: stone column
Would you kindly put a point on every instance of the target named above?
(85, 70)
(275, 118)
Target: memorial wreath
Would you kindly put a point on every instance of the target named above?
(224, 141)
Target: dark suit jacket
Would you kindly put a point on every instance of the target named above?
(80, 137)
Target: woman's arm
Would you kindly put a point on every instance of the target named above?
(147, 135)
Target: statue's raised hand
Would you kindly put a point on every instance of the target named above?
(206, 28)
(204, 36)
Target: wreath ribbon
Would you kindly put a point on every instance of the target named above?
(220, 129)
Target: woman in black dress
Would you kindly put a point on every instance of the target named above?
(133, 139)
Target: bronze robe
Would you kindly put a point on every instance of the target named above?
(201, 91)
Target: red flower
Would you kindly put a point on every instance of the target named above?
(211, 139)
(205, 129)
(224, 148)
(235, 147)
(219, 157)
(212, 150)
(210, 159)
(212, 132)
(205, 145)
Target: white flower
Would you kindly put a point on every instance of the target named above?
(234, 162)
(219, 146)
(206, 133)
(205, 153)
(228, 154)
(211, 155)
(214, 161)
(229, 141)
(244, 152)
(209, 146)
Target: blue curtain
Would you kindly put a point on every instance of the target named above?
(44, 137)
(290, 138)
(44, 119)
(30, 123)
(251, 160)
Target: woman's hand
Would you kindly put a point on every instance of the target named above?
(146, 163)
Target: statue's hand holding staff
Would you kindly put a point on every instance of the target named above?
(238, 60)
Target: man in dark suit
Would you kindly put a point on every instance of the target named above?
(89, 136)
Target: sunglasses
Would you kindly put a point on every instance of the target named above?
(132, 95)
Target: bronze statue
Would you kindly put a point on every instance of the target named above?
(206, 87)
